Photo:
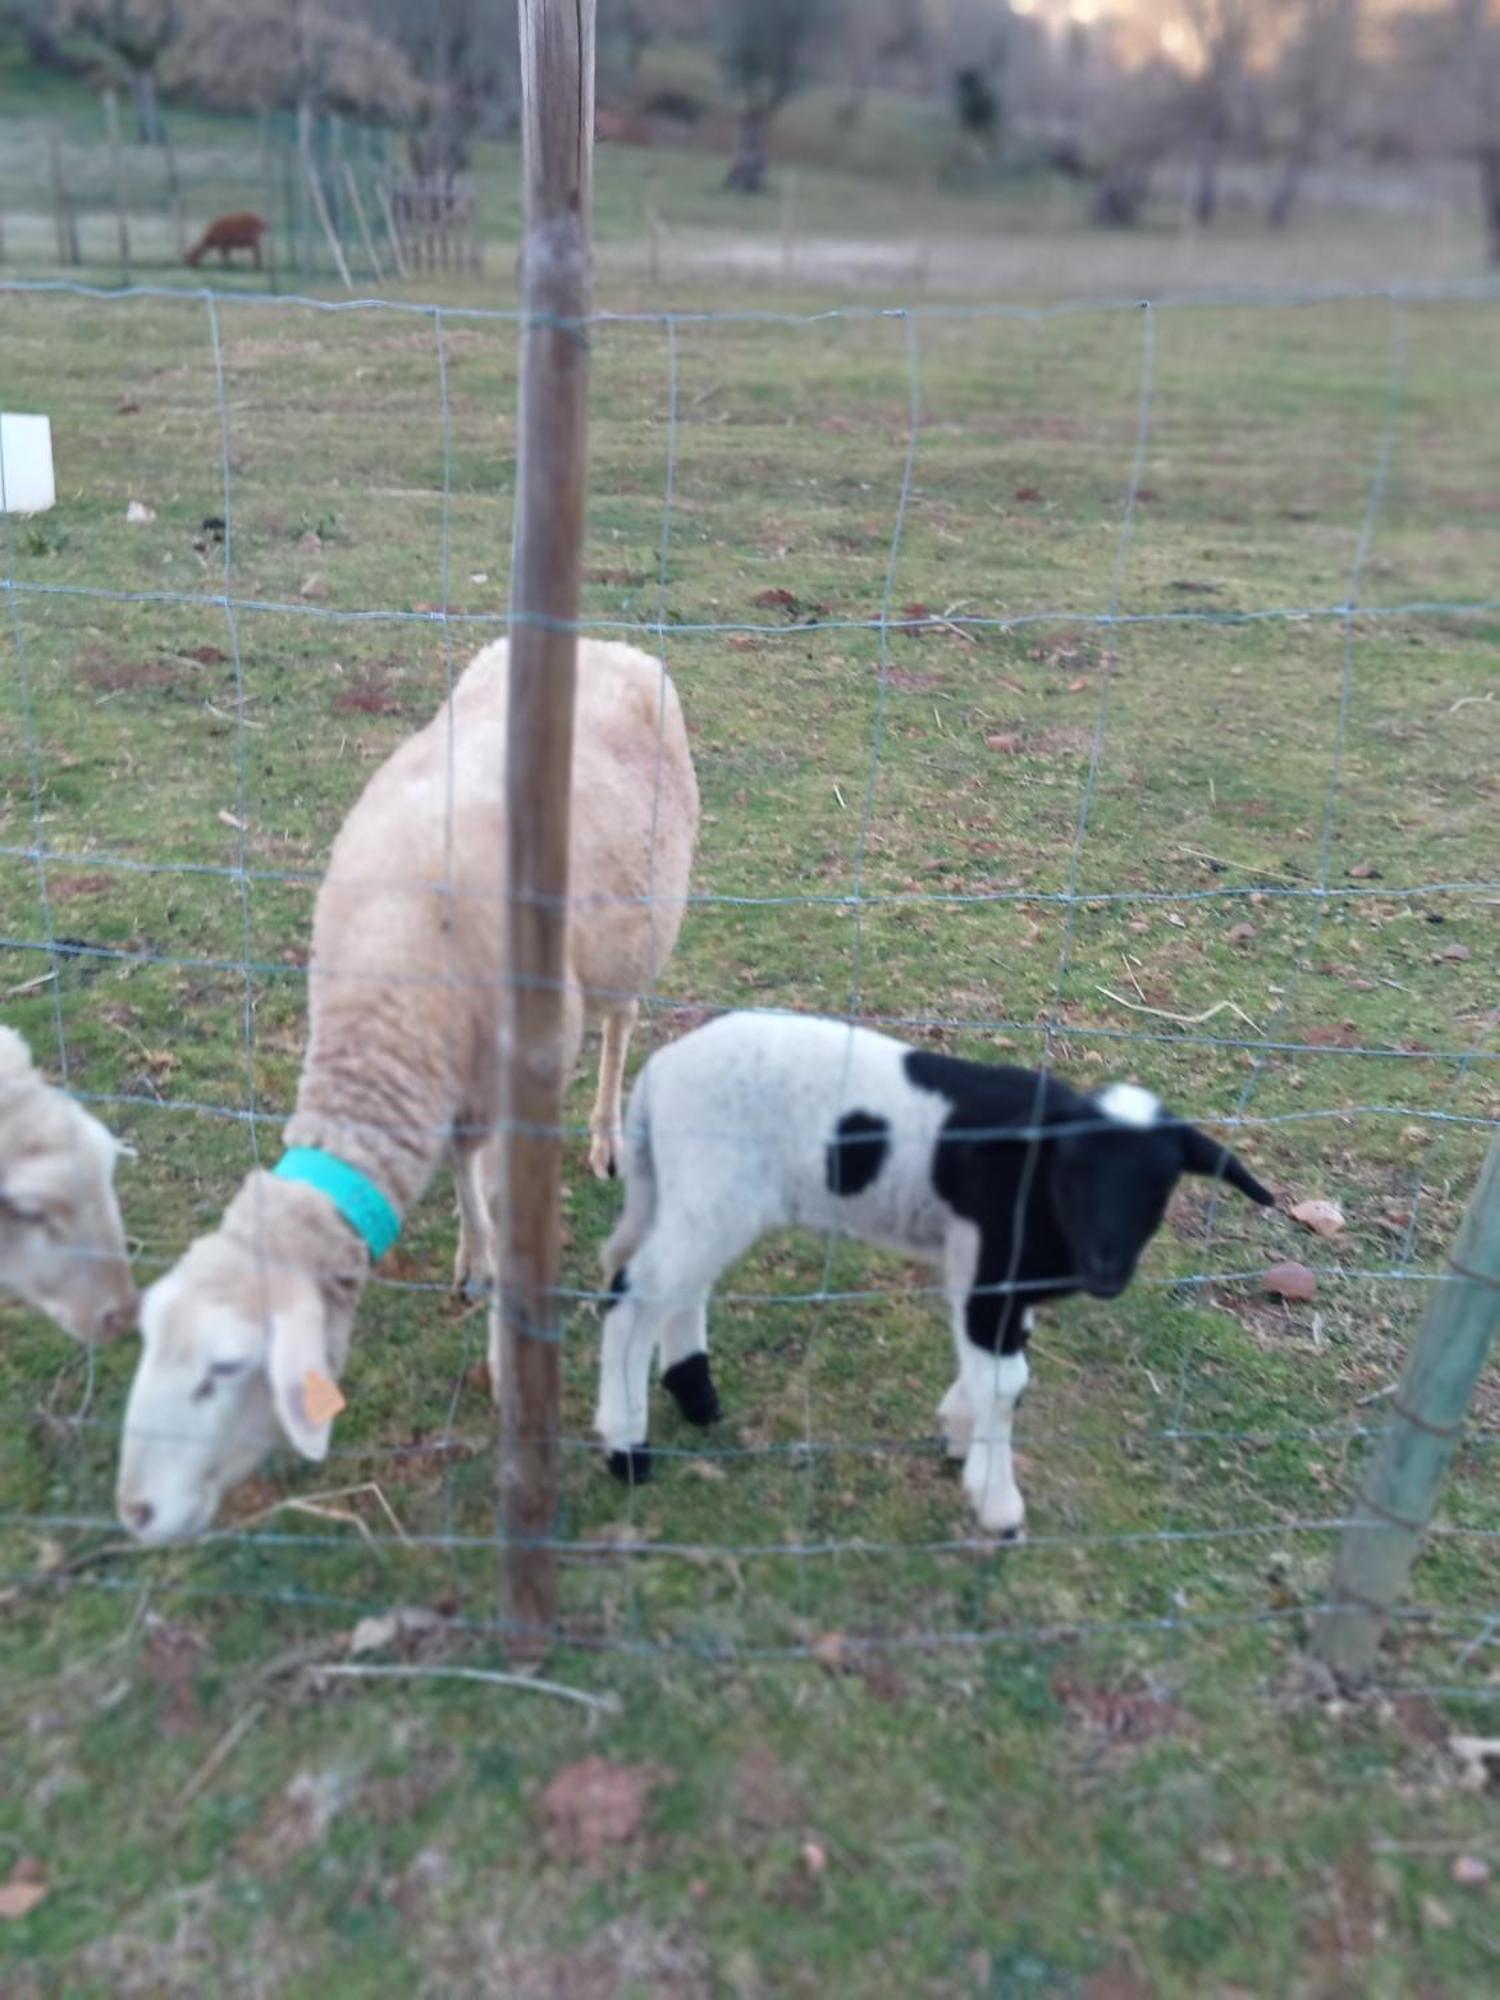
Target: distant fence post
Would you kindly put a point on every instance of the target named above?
(62, 209)
(174, 194)
(117, 173)
(557, 94)
(1399, 1492)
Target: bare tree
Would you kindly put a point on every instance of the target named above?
(466, 55)
(1212, 99)
(1311, 88)
(766, 51)
(280, 54)
(1131, 120)
(133, 37)
(1476, 37)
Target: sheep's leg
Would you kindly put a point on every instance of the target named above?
(995, 1384)
(630, 1330)
(956, 1416)
(684, 1363)
(989, 1381)
(662, 1295)
(606, 1137)
(473, 1261)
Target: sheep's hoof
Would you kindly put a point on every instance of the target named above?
(1012, 1538)
(632, 1467)
(604, 1156)
(691, 1388)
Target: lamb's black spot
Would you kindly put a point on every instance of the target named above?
(691, 1388)
(856, 1152)
(619, 1284)
(633, 1467)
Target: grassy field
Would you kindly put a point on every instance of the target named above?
(852, 1752)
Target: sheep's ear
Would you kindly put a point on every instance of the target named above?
(305, 1400)
(30, 1188)
(1202, 1155)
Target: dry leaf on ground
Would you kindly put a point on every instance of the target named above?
(1290, 1281)
(1323, 1218)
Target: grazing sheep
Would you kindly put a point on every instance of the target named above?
(62, 1245)
(244, 1335)
(241, 231)
(760, 1121)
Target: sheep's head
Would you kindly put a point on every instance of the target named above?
(1110, 1182)
(234, 1341)
(62, 1243)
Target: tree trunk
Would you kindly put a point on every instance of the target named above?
(1206, 199)
(1121, 194)
(1288, 187)
(747, 170)
(147, 116)
(1489, 194)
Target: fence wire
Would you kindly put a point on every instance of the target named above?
(1175, 1450)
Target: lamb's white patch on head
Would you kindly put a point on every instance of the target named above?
(1129, 1104)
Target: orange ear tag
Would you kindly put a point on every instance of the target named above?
(321, 1398)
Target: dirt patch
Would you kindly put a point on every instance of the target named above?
(594, 1805)
(70, 888)
(629, 1956)
(1122, 1716)
(174, 1657)
(371, 694)
(127, 676)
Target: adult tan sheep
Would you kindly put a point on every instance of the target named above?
(62, 1245)
(244, 1336)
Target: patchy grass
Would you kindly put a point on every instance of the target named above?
(864, 1756)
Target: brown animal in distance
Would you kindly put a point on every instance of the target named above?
(241, 231)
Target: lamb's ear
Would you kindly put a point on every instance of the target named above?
(1203, 1155)
(305, 1399)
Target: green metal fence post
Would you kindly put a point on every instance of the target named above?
(1404, 1478)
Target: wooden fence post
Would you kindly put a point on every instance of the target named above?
(557, 95)
(62, 214)
(117, 171)
(174, 193)
(320, 204)
(393, 234)
(351, 183)
(1404, 1478)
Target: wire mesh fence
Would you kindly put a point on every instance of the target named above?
(330, 193)
(1109, 687)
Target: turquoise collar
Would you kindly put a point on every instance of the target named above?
(353, 1194)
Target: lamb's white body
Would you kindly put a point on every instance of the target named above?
(403, 1058)
(62, 1244)
(726, 1138)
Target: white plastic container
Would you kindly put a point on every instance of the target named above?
(27, 485)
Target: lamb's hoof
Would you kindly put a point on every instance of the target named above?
(956, 1445)
(632, 1467)
(691, 1388)
(604, 1156)
(1012, 1538)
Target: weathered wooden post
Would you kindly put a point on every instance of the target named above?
(1404, 1478)
(64, 223)
(557, 94)
(117, 174)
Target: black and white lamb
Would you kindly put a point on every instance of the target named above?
(1019, 1187)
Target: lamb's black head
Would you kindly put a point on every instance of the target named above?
(1110, 1182)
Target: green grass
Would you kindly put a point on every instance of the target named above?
(1110, 1778)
